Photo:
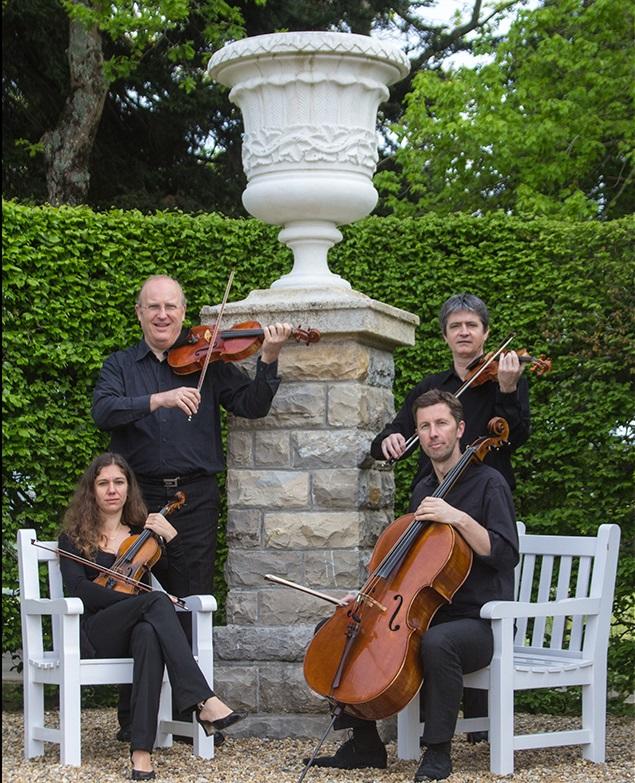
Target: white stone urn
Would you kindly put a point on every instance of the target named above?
(309, 103)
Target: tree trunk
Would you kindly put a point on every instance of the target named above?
(67, 148)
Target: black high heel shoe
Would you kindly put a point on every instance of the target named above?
(210, 726)
(139, 774)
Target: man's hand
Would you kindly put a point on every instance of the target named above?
(509, 371)
(393, 446)
(437, 510)
(185, 397)
(275, 337)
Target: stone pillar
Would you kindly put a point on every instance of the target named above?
(305, 500)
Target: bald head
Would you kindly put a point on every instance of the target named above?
(155, 278)
(161, 310)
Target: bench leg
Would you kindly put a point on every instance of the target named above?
(33, 696)
(501, 701)
(408, 731)
(594, 716)
(70, 723)
(70, 694)
(203, 746)
(164, 738)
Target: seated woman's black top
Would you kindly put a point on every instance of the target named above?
(79, 580)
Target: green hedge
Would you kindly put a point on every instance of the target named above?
(566, 290)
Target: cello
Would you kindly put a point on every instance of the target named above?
(365, 658)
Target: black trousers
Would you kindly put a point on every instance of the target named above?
(145, 627)
(196, 523)
(448, 651)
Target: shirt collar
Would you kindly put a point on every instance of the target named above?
(449, 374)
(143, 349)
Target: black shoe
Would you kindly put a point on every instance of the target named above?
(436, 763)
(124, 735)
(137, 774)
(221, 723)
(351, 756)
(477, 736)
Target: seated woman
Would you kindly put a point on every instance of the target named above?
(106, 508)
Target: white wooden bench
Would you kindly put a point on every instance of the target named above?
(555, 634)
(58, 662)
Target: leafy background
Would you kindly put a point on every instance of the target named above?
(71, 275)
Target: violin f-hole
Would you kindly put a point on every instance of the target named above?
(391, 624)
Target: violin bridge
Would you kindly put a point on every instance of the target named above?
(366, 599)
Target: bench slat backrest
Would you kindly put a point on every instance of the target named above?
(554, 568)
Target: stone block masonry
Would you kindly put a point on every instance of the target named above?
(305, 501)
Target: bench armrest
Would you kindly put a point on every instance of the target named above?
(53, 606)
(201, 603)
(496, 610)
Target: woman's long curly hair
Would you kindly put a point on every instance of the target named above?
(82, 519)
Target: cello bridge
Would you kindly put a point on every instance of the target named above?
(364, 598)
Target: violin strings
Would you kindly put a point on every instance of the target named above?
(464, 387)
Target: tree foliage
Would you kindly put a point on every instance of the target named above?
(69, 281)
(546, 128)
(101, 53)
(166, 137)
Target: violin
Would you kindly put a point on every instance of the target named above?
(136, 556)
(365, 658)
(485, 368)
(230, 345)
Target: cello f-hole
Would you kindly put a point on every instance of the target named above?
(396, 627)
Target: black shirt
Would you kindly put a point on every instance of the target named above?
(480, 404)
(163, 443)
(482, 493)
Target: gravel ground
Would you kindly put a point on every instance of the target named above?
(278, 761)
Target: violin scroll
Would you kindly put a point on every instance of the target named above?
(306, 336)
(539, 364)
(174, 505)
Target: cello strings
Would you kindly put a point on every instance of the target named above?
(403, 544)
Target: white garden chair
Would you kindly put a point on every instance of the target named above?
(59, 663)
(555, 634)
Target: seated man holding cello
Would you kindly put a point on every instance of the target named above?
(478, 505)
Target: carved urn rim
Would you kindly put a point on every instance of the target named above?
(310, 42)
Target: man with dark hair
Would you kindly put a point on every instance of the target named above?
(464, 322)
(480, 507)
